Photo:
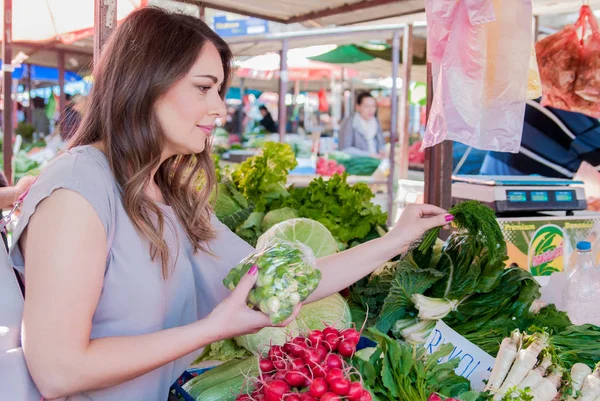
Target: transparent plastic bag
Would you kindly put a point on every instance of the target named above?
(480, 53)
(287, 275)
(587, 84)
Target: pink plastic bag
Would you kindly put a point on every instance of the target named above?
(480, 55)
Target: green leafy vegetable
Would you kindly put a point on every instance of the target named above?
(406, 282)
(397, 371)
(224, 350)
(309, 232)
(331, 311)
(277, 216)
(231, 207)
(479, 221)
(261, 179)
(346, 210)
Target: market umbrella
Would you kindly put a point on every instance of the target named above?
(63, 20)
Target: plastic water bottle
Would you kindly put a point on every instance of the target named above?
(582, 291)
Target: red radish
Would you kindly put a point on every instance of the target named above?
(294, 350)
(322, 350)
(298, 363)
(275, 390)
(280, 375)
(243, 397)
(434, 397)
(355, 391)
(366, 396)
(346, 348)
(334, 361)
(275, 352)
(316, 337)
(266, 365)
(351, 335)
(312, 355)
(318, 387)
(340, 386)
(292, 397)
(306, 397)
(331, 330)
(318, 371)
(332, 341)
(334, 374)
(279, 364)
(294, 378)
(330, 397)
(299, 340)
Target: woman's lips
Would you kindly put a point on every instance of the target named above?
(206, 128)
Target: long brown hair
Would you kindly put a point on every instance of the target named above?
(150, 51)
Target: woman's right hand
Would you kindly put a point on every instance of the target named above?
(233, 317)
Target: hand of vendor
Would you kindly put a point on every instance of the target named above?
(233, 317)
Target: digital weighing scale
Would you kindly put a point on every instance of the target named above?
(520, 194)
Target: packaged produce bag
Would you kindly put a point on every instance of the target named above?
(566, 62)
(287, 275)
(587, 84)
(480, 52)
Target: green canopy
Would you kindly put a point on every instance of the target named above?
(350, 54)
(346, 54)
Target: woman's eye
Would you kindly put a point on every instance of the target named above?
(204, 89)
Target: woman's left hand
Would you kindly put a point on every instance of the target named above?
(415, 221)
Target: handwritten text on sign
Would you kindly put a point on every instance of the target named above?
(475, 364)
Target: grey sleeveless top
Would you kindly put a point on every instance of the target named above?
(135, 298)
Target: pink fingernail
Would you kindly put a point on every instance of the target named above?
(253, 270)
(449, 218)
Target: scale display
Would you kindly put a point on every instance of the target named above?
(541, 198)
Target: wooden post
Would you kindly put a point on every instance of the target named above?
(7, 69)
(536, 28)
(105, 21)
(283, 89)
(62, 99)
(407, 56)
(438, 163)
(393, 126)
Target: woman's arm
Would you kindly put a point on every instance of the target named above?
(65, 250)
(343, 269)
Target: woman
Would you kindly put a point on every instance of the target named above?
(267, 119)
(124, 327)
(361, 133)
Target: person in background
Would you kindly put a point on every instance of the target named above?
(267, 120)
(41, 124)
(555, 144)
(9, 195)
(70, 116)
(361, 132)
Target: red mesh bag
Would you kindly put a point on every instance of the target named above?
(568, 64)
(587, 84)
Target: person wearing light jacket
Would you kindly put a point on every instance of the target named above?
(361, 133)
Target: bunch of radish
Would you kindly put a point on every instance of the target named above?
(310, 368)
(327, 168)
